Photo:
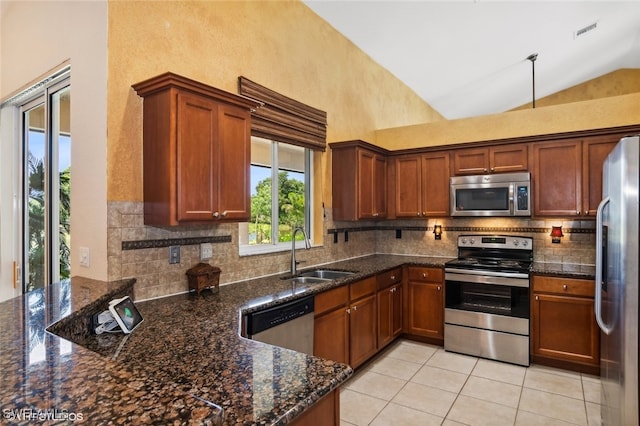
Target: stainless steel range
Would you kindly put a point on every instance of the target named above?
(487, 298)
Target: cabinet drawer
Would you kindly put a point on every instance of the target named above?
(566, 286)
(431, 275)
(331, 299)
(389, 278)
(362, 288)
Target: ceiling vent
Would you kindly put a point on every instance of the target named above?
(584, 30)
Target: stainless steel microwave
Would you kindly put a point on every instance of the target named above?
(507, 194)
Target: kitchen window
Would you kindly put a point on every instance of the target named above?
(280, 196)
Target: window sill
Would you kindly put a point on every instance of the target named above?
(256, 250)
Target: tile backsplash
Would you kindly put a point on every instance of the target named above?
(142, 252)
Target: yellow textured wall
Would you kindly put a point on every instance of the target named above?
(280, 44)
(595, 114)
(616, 83)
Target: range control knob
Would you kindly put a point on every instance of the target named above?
(464, 241)
(516, 243)
(472, 241)
(525, 243)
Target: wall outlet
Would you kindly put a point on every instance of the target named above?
(206, 251)
(85, 257)
(174, 254)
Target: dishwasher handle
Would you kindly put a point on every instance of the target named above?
(279, 314)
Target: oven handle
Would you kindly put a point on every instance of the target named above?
(505, 279)
(511, 195)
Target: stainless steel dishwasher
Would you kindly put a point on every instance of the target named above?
(289, 325)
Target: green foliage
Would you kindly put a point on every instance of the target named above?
(36, 205)
(290, 208)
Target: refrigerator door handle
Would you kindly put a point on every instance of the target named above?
(599, 271)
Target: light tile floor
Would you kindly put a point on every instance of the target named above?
(413, 383)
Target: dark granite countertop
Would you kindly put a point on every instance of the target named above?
(185, 364)
(587, 272)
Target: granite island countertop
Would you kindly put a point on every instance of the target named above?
(185, 364)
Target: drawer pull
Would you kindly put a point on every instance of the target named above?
(564, 287)
(424, 275)
(393, 277)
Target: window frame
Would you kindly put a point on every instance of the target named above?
(256, 249)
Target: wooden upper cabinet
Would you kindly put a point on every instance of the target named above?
(359, 181)
(567, 175)
(594, 151)
(422, 185)
(493, 159)
(196, 152)
(557, 178)
(435, 184)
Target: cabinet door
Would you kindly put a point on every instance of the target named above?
(331, 335)
(408, 191)
(232, 164)
(362, 327)
(380, 186)
(435, 184)
(425, 309)
(396, 310)
(372, 185)
(509, 158)
(594, 152)
(470, 161)
(564, 328)
(196, 186)
(557, 178)
(389, 314)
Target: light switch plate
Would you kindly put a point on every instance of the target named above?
(85, 257)
(206, 251)
(174, 254)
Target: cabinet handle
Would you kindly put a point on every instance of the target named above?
(424, 275)
(537, 298)
(439, 288)
(355, 308)
(418, 214)
(484, 170)
(424, 213)
(493, 169)
(586, 212)
(216, 214)
(225, 213)
(564, 287)
(578, 212)
(348, 311)
(393, 277)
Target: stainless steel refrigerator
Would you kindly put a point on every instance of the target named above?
(616, 291)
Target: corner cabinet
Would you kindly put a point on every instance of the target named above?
(196, 152)
(359, 181)
(564, 332)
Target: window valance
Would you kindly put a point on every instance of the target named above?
(284, 119)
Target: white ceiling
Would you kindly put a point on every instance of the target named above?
(469, 58)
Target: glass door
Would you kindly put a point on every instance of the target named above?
(46, 142)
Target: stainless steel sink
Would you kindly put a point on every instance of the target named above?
(309, 280)
(327, 274)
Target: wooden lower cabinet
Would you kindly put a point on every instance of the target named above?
(362, 330)
(389, 314)
(564, 332)
(424, 305)
(325, 412)
(331, 325)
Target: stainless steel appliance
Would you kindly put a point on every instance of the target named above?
(487, 298)
(506, 194)
(616, 294)
(289, 325)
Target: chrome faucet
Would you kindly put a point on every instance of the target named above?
(307, 245)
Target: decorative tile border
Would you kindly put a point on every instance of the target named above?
(336, 231)
(144, 244)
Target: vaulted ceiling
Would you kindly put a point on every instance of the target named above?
(469, 58)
